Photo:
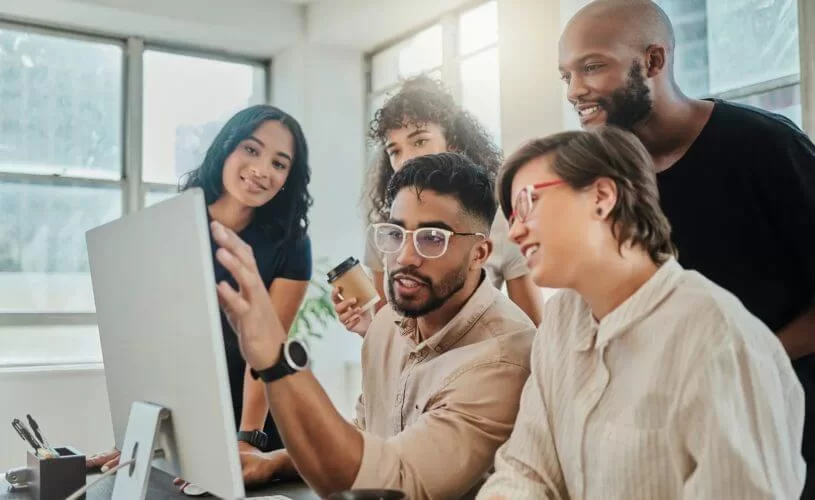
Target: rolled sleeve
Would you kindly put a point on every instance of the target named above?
(447, 451)
(372, 257)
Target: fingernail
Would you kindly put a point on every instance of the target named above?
(104, 468)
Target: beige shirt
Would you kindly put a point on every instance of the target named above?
(505, 264)
(678, 393)
(435, 412)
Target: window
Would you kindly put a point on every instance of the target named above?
(62, 167)
(744, 51)
(479, 70)
(418, 54)
(186, 102)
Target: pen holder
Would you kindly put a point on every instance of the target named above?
(56, 478)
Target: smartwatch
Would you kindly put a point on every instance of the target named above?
(293, 358)
(256, 438)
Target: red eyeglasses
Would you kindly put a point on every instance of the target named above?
(523, 200)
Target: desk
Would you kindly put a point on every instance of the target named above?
(161, 488)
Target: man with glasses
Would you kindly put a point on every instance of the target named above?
(443, 363)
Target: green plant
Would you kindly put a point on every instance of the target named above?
(317, 309)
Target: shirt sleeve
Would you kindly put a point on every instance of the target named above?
(791, 180)
(741, 419)
(359, 417)
(448, 450)
(297, 260)
(527, 466)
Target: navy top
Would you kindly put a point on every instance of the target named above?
(276, 258)
(741, 204)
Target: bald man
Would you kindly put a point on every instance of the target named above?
(737, 183)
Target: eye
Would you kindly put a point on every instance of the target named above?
(279, 166)
(432, 236)
(251, 150)
(421, 142)
(392, 153)
(592, 67)
(565, 77)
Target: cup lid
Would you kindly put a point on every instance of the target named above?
(342, 268)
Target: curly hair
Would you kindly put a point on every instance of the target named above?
(422, 100)
(288, 210)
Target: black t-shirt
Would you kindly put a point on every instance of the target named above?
(276, 258)
(741, 203)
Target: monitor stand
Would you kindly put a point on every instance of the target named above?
(149, 428)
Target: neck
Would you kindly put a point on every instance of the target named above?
(431, 323)
(231, 213)
(622, 275)
(674, 123)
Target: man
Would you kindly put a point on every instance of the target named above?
(736, 183)
(443, 363)
(421, 119)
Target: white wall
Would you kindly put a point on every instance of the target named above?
(324, 87)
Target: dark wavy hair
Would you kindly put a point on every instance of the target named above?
(451, 174)
(423, 100)
(288, 210)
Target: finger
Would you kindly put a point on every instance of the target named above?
(352, 323)
(227, 239)
(231, 300)
(248, 280)
(336, 295)
(351, 314)
(178, 481)
(110, 464)
(345, 306)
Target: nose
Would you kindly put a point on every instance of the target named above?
(259, 171)
(408, 255)
(577, 89)
(518, 231)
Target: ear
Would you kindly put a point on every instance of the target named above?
(481, 253)
(605, 198)
(656, 60)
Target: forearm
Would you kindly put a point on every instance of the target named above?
(255, 408)
(798, 337)
(324, 448)
(526, 295)
(282, 465)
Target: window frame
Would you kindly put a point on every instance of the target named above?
(130, 183)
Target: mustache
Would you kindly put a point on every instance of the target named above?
(410, 272)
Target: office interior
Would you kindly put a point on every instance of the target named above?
(105, 103)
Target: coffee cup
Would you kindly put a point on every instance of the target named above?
(354, 283)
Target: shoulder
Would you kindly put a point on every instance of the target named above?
(764, 128)
(507, 330)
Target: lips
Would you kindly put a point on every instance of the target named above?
(252, 185)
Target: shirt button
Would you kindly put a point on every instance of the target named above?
(438, 348)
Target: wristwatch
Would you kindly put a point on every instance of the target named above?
(256, 438)
(293, 358)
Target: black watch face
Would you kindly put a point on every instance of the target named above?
(298, 355)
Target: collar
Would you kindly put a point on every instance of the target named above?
(639, 305)
(483, 297)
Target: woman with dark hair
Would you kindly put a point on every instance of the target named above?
(255, 178)
(648, 380)
(422, 119)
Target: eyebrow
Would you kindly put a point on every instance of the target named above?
(410, 136)
(434, 224)
(279, 153)
(583, 59)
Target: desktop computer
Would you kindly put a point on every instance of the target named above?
(162, 347)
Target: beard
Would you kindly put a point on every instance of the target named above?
(437, 293)
(631, 104)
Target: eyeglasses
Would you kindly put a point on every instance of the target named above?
(429, 242)
(523, 200)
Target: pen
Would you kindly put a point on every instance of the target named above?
(23, 432)
(36, 428)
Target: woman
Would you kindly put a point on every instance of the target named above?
(672, 386)
(421, 119)
(255, 178)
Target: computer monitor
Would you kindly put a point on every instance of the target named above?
(162, 344)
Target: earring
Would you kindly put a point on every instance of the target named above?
(599, 211)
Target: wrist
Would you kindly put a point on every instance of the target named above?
(267, 355)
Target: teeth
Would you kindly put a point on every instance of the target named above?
(588, 111)
(530, 251)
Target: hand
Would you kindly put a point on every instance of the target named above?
(104, 460)
(249, 310)
(260, 468)
(244, 447)
(352, 317)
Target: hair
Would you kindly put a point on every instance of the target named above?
(288, 210)
(451, 174)
(582, 157)
(422, 100)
